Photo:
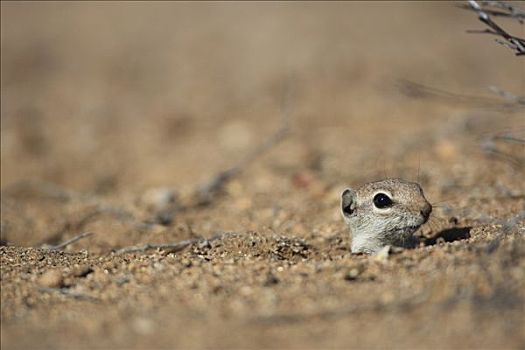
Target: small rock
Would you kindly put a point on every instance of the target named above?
(164, 217)
(160, 198)
(205, 244)
(352, 274)
(186, 262)
(51, 279)
(100, 277)
(383, 254)
(271, 280)
(396, 250)
(82, 271)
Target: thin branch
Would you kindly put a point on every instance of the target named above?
(512, 12)
(70, 241)
(512, 42)
(490, 149)
(478, 31)
(207, 192)
(120, 214)
(172, 247)
(510, 139)
(507, 95)
(66, 292)
(417, 90)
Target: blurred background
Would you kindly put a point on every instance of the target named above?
(125, 106)
(143, 94)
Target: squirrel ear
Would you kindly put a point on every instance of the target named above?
(348, 202)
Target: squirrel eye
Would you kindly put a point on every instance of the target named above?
(382, 201)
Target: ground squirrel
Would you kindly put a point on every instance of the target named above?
(384, 213)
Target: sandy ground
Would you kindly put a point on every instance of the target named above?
(114, 115)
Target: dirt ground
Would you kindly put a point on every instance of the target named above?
(116, 115)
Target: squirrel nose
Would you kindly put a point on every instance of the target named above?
(425, 212)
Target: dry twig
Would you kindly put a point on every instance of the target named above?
(70, 241)
(120, 214)
(510, 139)
(490, 149)
(171, 247)
(417, 90)
(67, 293)
(506, 146)
(503, 9)
(512, 42)
(507, 95)
(207, 192)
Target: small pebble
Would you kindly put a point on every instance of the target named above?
(271, 280)
(352, 274)
(51, 279)
(383, 254)
(82, 271)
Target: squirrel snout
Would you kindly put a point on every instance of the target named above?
(425, 212)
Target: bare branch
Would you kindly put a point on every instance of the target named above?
(70, 241)
(66, 292)
(477, 31)
(504, 9)
(119, 214)
(512, 11)
(507, 95)
(510, 139)
(207, 192)
(490, 149)
(512, 42)
(171, 247)
(417, 90)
